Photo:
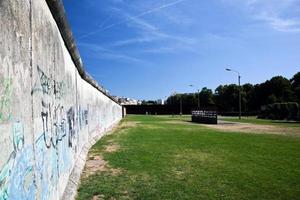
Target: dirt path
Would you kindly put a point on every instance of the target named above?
(255, 128)
(95, 162)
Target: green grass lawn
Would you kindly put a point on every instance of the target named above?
(164, 158)
(254, 120)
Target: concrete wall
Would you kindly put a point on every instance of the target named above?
(48, 113)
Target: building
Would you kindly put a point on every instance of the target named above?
(160, 102)
(127, 101)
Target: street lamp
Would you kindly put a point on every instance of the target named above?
(198, 96)
(240, 95)
(180, 103)
(172, 102)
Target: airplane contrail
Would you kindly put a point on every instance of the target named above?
(159, 8)
(137, 16)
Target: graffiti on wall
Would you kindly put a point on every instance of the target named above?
(35, 174)
(71, 126)
(6, 92)
(58, 142)
(83, 117)
(54, 148)
(54, 124)
(16, 176)
(48, 85)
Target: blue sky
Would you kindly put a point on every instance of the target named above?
(147, 49)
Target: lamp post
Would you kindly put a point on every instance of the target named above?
(198, 96)
(240, 95)
(180, 105)
(172, 102)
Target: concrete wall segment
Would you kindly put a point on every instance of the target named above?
(49, 114)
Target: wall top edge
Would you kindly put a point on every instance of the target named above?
(59, 14)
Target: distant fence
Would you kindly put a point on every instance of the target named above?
(161, 109)
(232, 113)
(175, 109)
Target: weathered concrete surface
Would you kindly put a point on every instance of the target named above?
(49, 115)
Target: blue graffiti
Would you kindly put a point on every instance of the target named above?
(16, 177)
(21, 181)
(52, 155)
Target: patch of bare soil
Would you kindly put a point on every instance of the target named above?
(98, 197)
(128, 124)
(181, 122)
(112, 148)
(150, 126)
(122, 126)
(96, 164)
(102, 197)
(254, 128)
(125, 195)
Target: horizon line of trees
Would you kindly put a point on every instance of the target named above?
(225, 97)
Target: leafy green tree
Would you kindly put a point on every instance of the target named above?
(227, 97)
(248, 95)
(206, 97)
(295, 81)
(282, 89)
(276, 90)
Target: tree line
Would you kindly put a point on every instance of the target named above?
(225, 97)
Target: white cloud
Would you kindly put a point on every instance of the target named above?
(132, 41)
(138, 21)
(160, 8)
(147, 12)
(279, 23)
(148, 33)
(275, 13)
(107, 54)
(159, 50)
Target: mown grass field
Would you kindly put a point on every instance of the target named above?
(158, 157)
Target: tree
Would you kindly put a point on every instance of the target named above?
(281, 88)
(276, 90)
(248, 97)
(227, 97)
(295, 81)
(206, 97)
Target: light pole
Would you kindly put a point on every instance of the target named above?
(240, 95)
(198, 96)
(180, 105)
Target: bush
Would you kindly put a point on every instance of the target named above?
(281, 111)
